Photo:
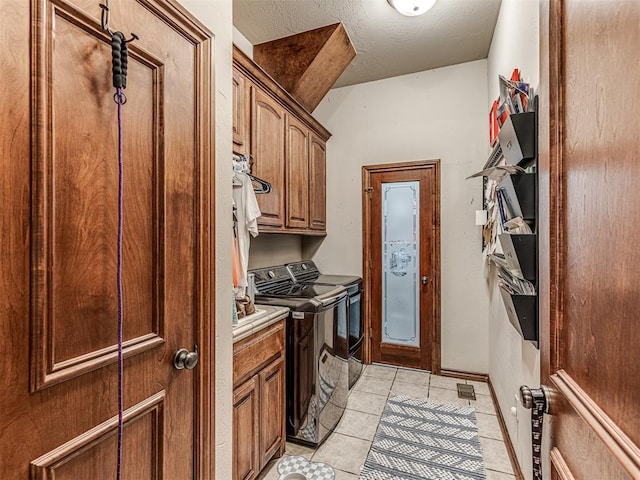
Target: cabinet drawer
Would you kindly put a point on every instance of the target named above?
(256, 351)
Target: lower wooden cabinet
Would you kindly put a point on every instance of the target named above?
(246, 431)
(271, 421)
(258, 401)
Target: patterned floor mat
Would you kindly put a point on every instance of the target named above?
(421, 439)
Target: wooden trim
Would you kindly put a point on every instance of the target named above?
(558, 466)
(367, 171)
(366, 265)
(436, 350)
(262, 79)
(204, 434)
(552, 206)
(474, 377)
(291, 231)
(180, 19)
(513, 458)
(614, 439)
(390, 167)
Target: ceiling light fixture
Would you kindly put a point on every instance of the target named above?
(412, 8)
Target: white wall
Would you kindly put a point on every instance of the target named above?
(274, 249)
(216, 15)
(242, 42)
(434, 114)
(513, 361)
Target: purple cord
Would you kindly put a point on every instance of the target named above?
(120, 99)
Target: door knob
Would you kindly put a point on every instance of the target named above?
(537, 400)
(186, 359)
(532, 397)
(425, 280)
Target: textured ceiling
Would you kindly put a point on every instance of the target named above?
(388, 44)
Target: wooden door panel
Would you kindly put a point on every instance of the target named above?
(271, 410)
(588, 163)
(297, 173)
(577, 445)
(317, 183)
(91, 454)
(74, 194)
(601, 157)
(267, 145)
(58, 228)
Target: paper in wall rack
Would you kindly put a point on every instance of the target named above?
(519, 193)
(520, 254)
(517, 138)
(522, 311)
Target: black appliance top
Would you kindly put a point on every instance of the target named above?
(307, 272)
(276, 286)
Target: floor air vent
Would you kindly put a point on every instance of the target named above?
(466, 391)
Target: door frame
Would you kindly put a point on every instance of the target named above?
(204, 395)
(205, 332)
(367, 264)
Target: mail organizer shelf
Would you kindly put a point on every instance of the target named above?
(517, 138)
(520, 254)
(522, 311)
(519, 193)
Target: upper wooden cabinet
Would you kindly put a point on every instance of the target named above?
(297, 173)
(241, 112)
(267, 141)
(287, 148)
(317, 183)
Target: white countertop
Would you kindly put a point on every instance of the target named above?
(264, 316)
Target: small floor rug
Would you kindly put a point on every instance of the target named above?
(311, 470)
(421, 439)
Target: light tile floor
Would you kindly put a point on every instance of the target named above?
(347, 447)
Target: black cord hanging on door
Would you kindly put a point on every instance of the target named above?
(119, 60)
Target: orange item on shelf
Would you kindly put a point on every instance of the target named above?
(236, 262)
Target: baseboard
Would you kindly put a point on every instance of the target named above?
(476, 377)
(505, 434)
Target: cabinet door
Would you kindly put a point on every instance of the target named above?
(246, 417)
(272, 385)
(297, 173)
(241, 103)
(317, 183)
(267, 145)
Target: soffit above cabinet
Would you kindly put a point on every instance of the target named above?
(257, 75)
(307, 64)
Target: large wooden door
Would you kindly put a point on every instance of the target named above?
(589, 257)
(402, 263)
(58, 307)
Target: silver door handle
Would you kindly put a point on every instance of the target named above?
(425, 280)
(529, 397)
(186, 359)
